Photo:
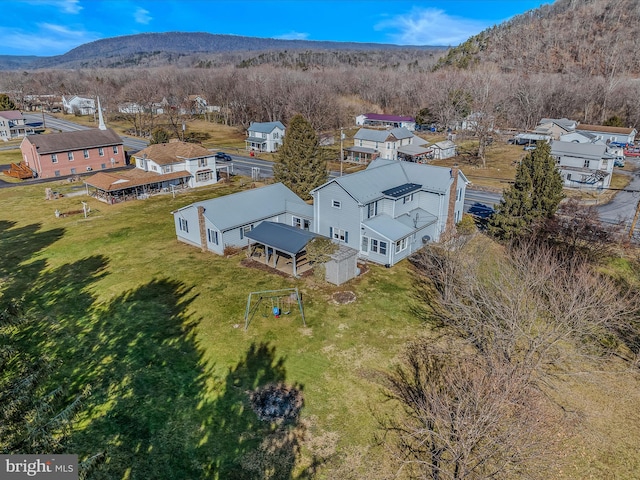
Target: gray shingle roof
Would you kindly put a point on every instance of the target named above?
(78, 140)
(242, 208)
(381, 175)
(381, 135)
(581, 150)
(264, 127)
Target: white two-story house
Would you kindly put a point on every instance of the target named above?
(391, 209)
(583, 165)
(264, 136)
(76, 105)
(166, 158)
(12, 125)
(381, 143)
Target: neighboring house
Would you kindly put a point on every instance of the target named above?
(215, 224)
(610, 134)
(369, 144)
(381, 120)
(443, 149)
(265, 137)
(71, 153)
(615, 151)
(47, 103)
(131, 107)
(583, 165)
(581, 137)
(78, 105)
(12, 125)
(389, 210)
(554, 127)
(164, 158)
(197, 104)
(478, 121)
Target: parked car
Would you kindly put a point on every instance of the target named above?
(529, 147)
(618, 162)
(223, 156)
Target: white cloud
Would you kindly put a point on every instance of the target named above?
(67, 6)
(429, 26)
(46, 40)
(293, 36)
(142, 16)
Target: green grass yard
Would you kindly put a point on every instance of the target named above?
(154, 326)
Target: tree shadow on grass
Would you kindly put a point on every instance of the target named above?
(155, 409)
(244, 446)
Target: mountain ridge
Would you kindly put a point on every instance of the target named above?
(165, 46)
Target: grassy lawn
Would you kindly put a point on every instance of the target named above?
(152, 326)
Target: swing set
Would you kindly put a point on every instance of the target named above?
(273, 302)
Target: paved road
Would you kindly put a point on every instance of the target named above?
(61, 125)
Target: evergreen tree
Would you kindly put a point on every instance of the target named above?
(535, 195)
(300, 163)
(6, 103)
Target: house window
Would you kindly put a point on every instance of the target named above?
(401, 245)
(115, 149)
(364, 247)
(407, 198)
(70, 156)
(244, 230)
(101, 151)
(339, 234)
(297, 222)
(276, 135)
(202, 162)
(54, 158)
(183, 225)
(73, 171)
(336, 204)
(378, 246)
(306, 224)
(86, 154)
(204, 176)
(57, 173)
(586, 164)
(103, 165)
(372, 209)
(568, 176)
(212, 235)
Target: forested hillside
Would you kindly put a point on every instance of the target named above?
(585, 37)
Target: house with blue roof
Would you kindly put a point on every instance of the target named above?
(391, 209)
(225, 221)
(264, 136)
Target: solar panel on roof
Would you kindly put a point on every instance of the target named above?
(402, 190)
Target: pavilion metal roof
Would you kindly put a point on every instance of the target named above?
(285, 238)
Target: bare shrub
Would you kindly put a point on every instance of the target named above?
(464, 416)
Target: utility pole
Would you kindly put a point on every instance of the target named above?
(341, 154)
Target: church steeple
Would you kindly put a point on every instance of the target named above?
(101, 124)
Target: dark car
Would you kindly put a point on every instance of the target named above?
(480, 210)
(223, 156)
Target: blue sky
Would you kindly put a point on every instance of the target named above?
(53, 27)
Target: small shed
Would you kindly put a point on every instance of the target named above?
(343, 265)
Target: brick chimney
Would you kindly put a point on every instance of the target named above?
(202, 225)
(450, 228)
